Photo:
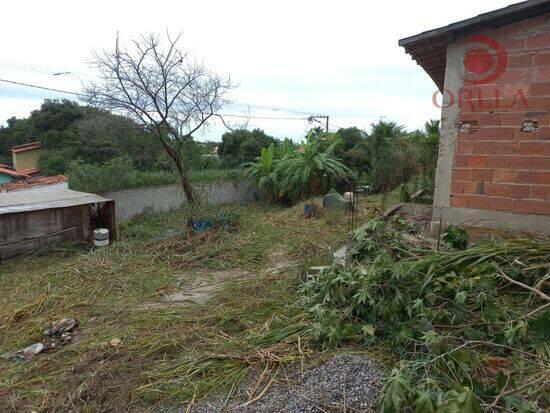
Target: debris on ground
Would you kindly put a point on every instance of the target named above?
(63, 326)
(60, 333)
(115, 342)
(312, 211)
(29, 352)
(346, 382)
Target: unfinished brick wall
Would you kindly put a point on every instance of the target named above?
(502, 156)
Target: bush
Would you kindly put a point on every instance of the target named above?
(455, 238)
(119, 173)
(54, 162)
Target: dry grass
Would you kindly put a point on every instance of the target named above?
(168, 355)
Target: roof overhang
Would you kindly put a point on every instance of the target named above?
(51, 197)
(429, 49)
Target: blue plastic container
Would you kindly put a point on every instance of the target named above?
(201, 225)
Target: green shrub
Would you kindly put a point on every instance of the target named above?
(309, 170)
(455, 238)
(119, 173)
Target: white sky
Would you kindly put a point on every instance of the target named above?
(339, 58)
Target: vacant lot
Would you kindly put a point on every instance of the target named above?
(186, 313)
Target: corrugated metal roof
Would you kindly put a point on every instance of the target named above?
(44, 198)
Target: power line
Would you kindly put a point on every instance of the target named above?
(39, 87)
(309, 118)
(40, 69)
(58, 71)
(272, 108)
(79, 95)
(231, 115)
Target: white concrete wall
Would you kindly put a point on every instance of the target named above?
(134, 201)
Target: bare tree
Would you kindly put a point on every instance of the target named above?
(160, 87)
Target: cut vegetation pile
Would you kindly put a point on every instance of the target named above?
(471, 327)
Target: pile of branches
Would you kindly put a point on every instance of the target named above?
(471, 327)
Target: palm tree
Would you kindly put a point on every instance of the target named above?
(386, 130)
(262, 172)
(432, 127)
(384, 148)
(307, 170)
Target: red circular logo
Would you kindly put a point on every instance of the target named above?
(485, 61)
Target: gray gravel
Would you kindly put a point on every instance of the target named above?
(346, 382)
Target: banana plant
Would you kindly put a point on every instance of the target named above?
(262, 172)
(308, 170)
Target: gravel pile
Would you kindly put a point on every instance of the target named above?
(347, 382)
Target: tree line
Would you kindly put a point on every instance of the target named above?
(383, 158)
(77, 138)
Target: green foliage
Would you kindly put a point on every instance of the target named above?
(285, 148)
(455, 238)
(242, 146)
(402, 225)
(446, 314)
(299, 173)
(54, 162)
(119, 173)
(262, 172)
(309, 170)
(396, 157)
(404, 194)
(73, 132)
(390, 162)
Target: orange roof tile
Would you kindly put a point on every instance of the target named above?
(32, 182)
(25, 147)
(29, 171)
(11, 172)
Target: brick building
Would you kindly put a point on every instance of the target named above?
(493, 76)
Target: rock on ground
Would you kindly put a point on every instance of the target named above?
(345, 383)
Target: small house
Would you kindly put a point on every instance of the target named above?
(32, 218)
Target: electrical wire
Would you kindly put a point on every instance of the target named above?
(310, 118)
(39, 87)
(41, 69)
(58, 71)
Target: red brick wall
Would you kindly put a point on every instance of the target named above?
(502, 157)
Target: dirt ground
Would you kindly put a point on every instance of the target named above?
(421, 214)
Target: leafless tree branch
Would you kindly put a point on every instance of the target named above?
(160, 87)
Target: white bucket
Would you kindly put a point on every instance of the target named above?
(101, 237)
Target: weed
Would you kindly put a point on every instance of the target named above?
(455, 237)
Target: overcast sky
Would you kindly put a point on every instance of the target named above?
(339, 58)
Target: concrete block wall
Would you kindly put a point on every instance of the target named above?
(495, 169)
(134, 201)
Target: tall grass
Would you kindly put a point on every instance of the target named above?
(120, 174)
(168, 356)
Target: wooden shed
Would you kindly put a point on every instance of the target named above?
(31, 218)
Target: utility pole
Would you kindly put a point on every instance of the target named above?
(316, 118)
